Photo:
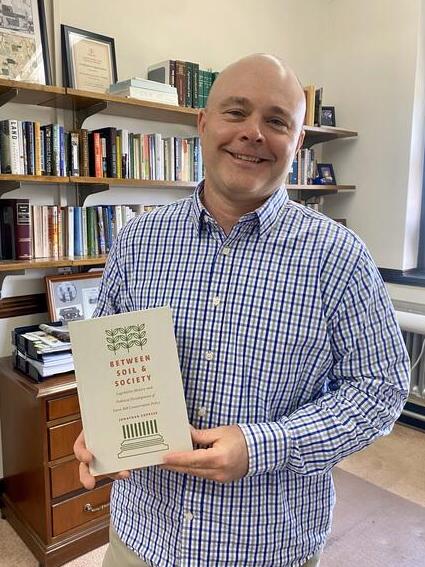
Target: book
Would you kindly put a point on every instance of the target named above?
(15, 229)
(146, 94)
(136, 82)
(131, 393)
(310, 100)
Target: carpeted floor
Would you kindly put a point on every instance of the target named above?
(376, 524)
(373, 527)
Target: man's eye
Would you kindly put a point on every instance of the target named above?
(235, 113)
(276, 122)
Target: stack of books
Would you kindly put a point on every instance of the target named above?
(41, 351)
(145, 89)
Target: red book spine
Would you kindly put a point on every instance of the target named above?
(98, 169)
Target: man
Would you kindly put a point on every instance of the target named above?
(290, 354)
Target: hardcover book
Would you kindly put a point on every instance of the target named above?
(131, 393)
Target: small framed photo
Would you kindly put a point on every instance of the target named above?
(328, 116)
(24, 53)
(88, 59)
(73, 296)
(325, 173)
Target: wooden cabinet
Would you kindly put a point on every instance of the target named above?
(41, 494)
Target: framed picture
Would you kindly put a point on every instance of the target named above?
(24, 51)
(327, 117)
(73, 296)
(326, 174)
(89, 61)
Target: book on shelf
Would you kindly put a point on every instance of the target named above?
(15, 229)
(138, 83)
(131, 393)
(146, 94)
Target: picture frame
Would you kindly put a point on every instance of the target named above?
(327, 116)
(72, 297)
(325, 172)
(88, 60)
(24, 40)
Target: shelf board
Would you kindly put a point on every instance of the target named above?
(32, 93)
(15, 265)
(7, 177)
(323, 188)
(144, 183)
(40, 179)
(319, 134)
(131, 107)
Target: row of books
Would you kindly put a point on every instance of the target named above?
(304, 168)
(48, 231)
(27, 148)
(193, 84)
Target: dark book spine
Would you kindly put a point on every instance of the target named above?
(42, 151)
(181, 82)
(188, 73)
(195, 86)
(62, 170)
(29, 138)
(56, 150)
(48, 149)
(84, 153)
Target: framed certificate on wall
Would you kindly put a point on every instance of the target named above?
(89, 60)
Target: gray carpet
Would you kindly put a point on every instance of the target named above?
(373, 527)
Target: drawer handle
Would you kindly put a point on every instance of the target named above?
(92, 509)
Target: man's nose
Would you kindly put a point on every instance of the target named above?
(252, 130)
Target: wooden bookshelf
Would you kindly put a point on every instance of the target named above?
(319, 134)
(29, 93)
(37, 263)
(322, 188)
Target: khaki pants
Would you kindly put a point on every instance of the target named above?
(119, 555)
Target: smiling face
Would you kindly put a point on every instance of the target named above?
(251, 129)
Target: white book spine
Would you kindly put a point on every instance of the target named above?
(15, 154)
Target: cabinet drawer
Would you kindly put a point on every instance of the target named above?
(65, 478)
(62, 439)
(62, 407)
(81, 509)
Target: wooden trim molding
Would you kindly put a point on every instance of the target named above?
(22, 305)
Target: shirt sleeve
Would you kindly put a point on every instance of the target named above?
(363, 396)
(108, 302)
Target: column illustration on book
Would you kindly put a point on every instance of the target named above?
(141, 437)
(130, 389)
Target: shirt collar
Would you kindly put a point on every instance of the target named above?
(266, 215)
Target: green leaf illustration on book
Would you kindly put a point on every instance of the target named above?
(126, 337)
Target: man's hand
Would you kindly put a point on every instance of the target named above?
(224, 458)
(84, 456)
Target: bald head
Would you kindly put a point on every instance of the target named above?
(262, 69)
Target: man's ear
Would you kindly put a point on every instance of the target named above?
(201, 121)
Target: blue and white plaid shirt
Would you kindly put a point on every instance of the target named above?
(283, 327)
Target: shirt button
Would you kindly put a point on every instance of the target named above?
(216, 301)
(209, 355)
(188, 516)
(202, 412)
(226, 251)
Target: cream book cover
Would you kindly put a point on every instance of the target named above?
(130, 389)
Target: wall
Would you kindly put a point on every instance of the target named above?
(371, 73)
